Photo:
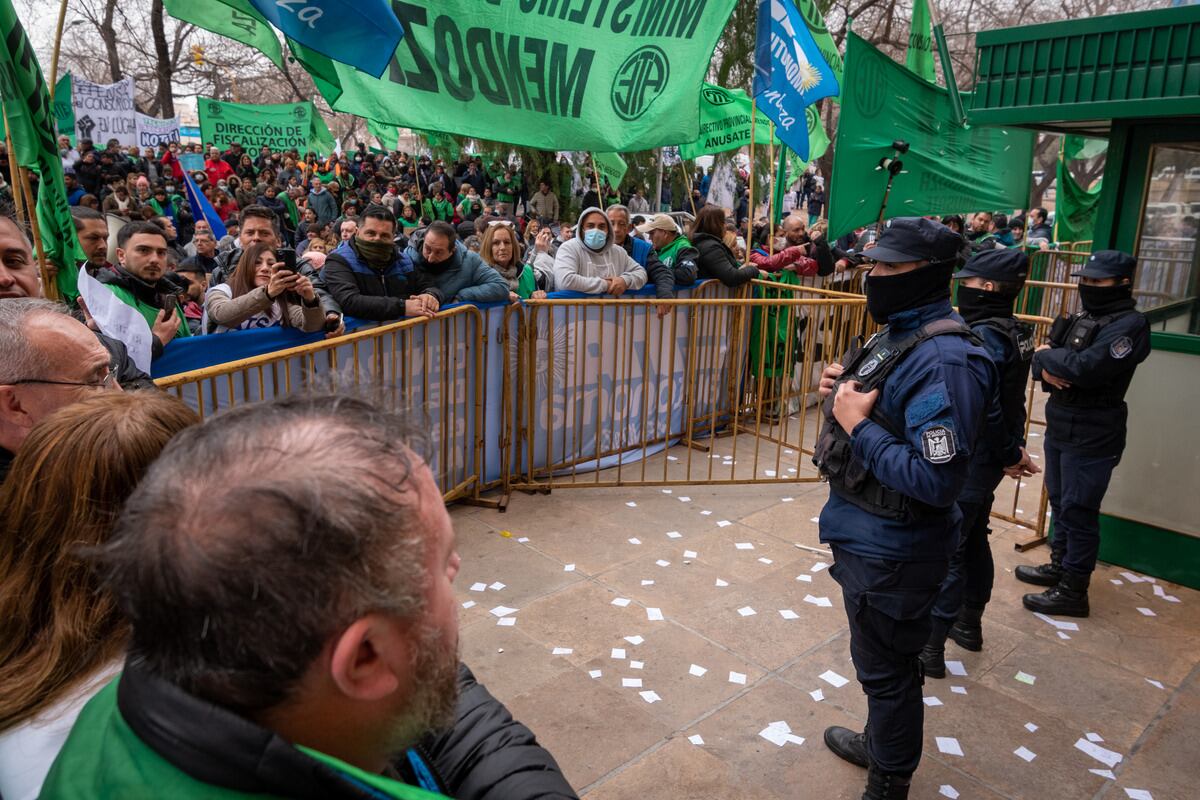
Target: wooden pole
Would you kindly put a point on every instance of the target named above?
(596, 175)
(62, 17)
(687, 181)
(771, 204)
(750, 203)
(13, 169)
(49, 286)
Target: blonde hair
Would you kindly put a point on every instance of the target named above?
(485, 246)
(64, 491)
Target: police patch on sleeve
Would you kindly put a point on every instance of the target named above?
(938, 444)
(1121, 347)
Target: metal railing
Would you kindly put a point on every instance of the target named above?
(431, 366)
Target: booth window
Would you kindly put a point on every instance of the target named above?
(1166, 283)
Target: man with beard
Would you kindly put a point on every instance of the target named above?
(901, 417)
(140, 281)
(1087, 368)
(92, 229)
(458, 274)
(302, 641)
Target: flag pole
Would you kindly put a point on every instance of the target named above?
(23, 197)
(596, 175)
(774, 186)
(939, 36)
(750, 204)
(62, 18)
(687, 181)
(658, 183)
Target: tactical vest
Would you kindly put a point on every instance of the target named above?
(870, 365)
(1077, 334)
(1015, 377)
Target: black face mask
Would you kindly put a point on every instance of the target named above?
(895, 293)
(976, 304)
(1101, 300)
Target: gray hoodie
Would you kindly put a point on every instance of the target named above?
(578, 268)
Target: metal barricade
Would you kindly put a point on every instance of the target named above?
(432, 366)
(606, 387)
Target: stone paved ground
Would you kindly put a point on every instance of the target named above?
(613, 743)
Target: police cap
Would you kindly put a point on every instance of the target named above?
(1002, 264)
(1107, 264)
(906, 239)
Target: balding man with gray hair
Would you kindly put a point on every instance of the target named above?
(50, 361)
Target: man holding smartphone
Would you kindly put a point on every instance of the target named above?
(140, 281)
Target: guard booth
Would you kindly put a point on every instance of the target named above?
(1133, 79)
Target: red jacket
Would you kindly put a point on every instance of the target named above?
(792, 255)
(217, 170)
(169, 160)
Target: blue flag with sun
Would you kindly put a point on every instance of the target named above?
(790, 73)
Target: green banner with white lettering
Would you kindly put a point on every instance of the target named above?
(725, 123)
(280, 127)
(599, 76)
(948, 169)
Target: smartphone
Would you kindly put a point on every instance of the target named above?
(285, 259)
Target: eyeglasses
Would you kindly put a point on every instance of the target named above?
(107, 381)
(504, 222)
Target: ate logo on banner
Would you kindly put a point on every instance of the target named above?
(639, 82)
(871, 89)
(717, 96)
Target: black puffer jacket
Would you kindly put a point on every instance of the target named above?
(489, 755)
(717, 261)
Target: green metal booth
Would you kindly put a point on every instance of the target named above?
(1135, 80)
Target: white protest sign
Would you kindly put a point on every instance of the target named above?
(152, 132)
(105, 111)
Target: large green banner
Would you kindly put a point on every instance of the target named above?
(31, 123)
(725, 123)
(600, 76)
(948, 168)
(280, 127)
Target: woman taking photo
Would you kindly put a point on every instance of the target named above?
(716, 257)
(61, 636)
(261, 294)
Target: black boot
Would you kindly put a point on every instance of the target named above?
(1045, 574)
(1068, 599)
(847, 745)
(933, 654)
(886, 785)
(967, 631)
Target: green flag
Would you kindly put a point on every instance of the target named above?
(948, 168)
(236, 19)
(1074, 207)
(388, 135)
(280, 127)
(64, 109)
(920, 43)
(31, 121)
(1082, 147)
(611, 167)
(611, 77)
(725, 123)
(816, 24)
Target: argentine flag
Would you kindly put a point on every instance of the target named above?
(790, 73)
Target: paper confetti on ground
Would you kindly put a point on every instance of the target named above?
(503, 611)
(695, 738)
(956, 668)
(1024, 677)
(1024, 753)
(787, 613)
(738, 678)
(817, 694)
(631, 683)
(697, 670)
(650, 697)
(620, 601)
(833, 679)
(562, 651)
(1105, 756)
(949, 745)
(747, 611)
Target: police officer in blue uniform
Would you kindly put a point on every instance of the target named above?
(987, 287)
(901, 418)
(1087, 368)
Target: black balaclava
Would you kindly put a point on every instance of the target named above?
(977, 304)
(1101, 300)
(920, 287)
